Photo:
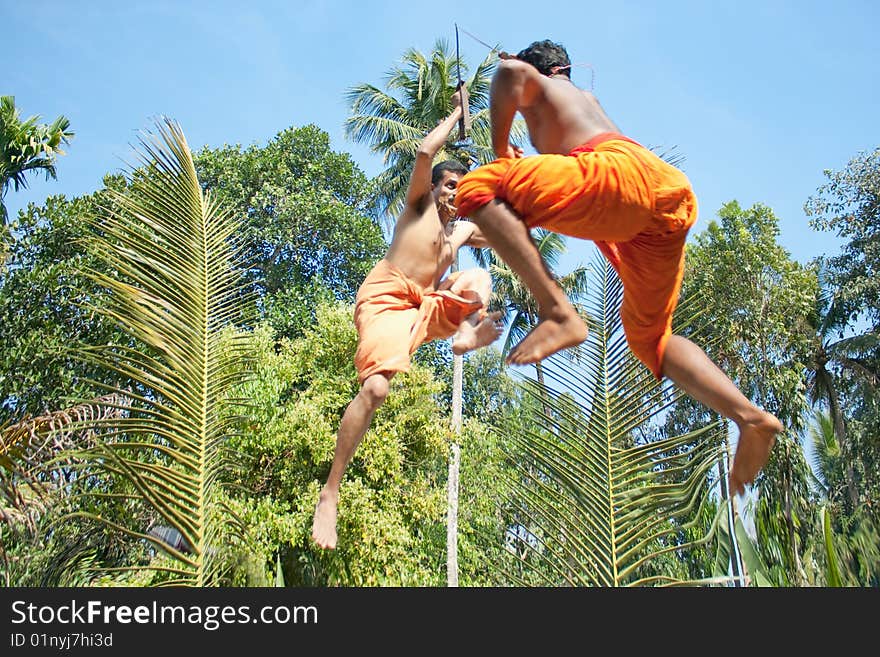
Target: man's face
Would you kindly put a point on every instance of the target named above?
(444, 194)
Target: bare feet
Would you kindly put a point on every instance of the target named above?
(549, 336)
(324, 524)
(470, 337)
(756, 439)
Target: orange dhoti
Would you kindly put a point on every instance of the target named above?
(636, 207)
(394, 315)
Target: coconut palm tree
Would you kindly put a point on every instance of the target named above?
(27, 146)
(418, 94)
(832, 358)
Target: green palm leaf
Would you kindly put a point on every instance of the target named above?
(171, 261)
(597, 499)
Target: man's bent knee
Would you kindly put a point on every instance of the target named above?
(481, 276)
(375, 390)
(475, 279)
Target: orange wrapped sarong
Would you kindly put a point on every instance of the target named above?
(394, 315)
(636, 207)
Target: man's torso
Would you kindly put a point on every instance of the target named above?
(420, 247)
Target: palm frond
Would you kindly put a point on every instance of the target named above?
(825, 448)
(36, 457)
(596, 503)
(172, 262)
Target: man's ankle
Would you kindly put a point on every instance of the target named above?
(557, 312)
(329, 494)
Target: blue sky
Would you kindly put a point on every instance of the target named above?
(760, 97)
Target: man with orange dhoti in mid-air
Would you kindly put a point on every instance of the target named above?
(591, 182)
(404, 302)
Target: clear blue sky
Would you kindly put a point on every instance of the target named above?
(759, 96)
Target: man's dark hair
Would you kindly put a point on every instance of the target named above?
(548, 57)
(453, 166)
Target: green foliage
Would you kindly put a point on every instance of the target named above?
(593, 503)
(61, 553)
(307, 231)
(760, 304)
(845, 368)
(849, 205)
(47, 306)
(851, 535)
(393, 498)
(488, 391)
(27, 146)
(168, 255)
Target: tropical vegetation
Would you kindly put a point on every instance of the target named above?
(177, 353)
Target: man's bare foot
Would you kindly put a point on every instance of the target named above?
(548, 337)
(756, 439)
(471, 337)
(324, 523)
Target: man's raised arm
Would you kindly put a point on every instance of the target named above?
(512, 87)
(420, 180)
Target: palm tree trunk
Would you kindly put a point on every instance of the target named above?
(789, 523)
(454, 468)
(840, 435)
(736, 565)
(539, 375)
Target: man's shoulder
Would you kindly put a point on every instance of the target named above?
(415, 212)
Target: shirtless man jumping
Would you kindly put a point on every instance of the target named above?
(404, 302)
(591, 182)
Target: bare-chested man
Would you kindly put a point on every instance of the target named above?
(593, 183)
(404, 302)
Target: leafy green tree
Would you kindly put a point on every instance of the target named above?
(37, 484)
(392, 513)
(308, 233)
(842, 367)
(169, 256)
(760, 304)
(488, 390)
(849, 205)
(47, 306)
(845, 368)
(27, 146)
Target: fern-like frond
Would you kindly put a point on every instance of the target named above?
(596, 501)
(171, 259)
